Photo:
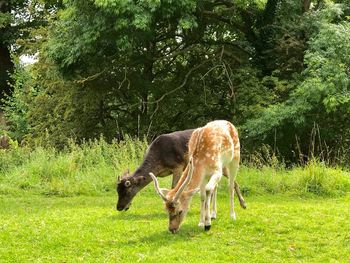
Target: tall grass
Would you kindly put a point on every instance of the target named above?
(92, 167)
(89, 168)
(315, 178)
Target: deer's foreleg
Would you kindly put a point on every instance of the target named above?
(209, 189)
(214, 200)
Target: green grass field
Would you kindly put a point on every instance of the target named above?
(60, 207)
(278, 228)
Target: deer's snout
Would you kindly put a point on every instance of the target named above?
(173, 230)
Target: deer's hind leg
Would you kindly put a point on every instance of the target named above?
(203, 199)
(240, 197)
(233, 170)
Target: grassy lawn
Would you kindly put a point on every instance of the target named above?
(278, 228)
(60, 207)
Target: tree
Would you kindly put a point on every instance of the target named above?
(138, 58)
(322, 99)
(148, 67)
(6, 65)
(19, 20)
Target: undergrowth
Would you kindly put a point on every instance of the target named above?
(92, 167)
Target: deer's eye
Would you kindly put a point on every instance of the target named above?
(180, 212)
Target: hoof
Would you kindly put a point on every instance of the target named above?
(213, 216)
(233, 216)
(207, 228)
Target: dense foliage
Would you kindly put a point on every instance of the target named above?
(20, 22)
(278, 69)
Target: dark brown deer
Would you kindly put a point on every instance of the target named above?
(166, 155)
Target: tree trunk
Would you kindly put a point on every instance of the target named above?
(6, 65)
(147, 76)
(306, 5)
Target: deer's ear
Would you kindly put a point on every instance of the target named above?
(164, 191)
(126, 173)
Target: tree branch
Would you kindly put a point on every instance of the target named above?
(306, 5)
(89, 78)
(177, 88)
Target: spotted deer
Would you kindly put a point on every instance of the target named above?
(213, 150)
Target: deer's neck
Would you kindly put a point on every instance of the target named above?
(193, 184)
(142, 178)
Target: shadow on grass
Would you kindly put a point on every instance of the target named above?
(163, 238)
(130, 216)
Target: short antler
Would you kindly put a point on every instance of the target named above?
(118, 179)
(156, 185)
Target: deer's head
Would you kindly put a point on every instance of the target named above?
(127, 188)
(177, 200)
